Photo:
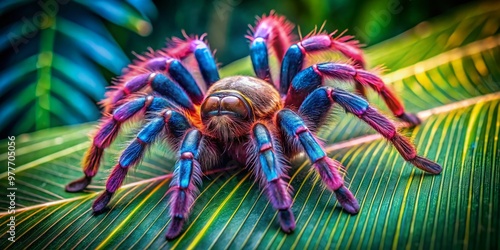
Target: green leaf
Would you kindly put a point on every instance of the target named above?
(52, 55)
(453, 87)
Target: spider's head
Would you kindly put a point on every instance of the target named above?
(234, 103)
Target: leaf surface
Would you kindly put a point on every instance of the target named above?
(454, 88)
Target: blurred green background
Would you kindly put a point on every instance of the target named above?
(59, 55)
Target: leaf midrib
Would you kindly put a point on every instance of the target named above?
(439, 25)
(428, 64)
(334, 147)
(129, 185)
(443, 58)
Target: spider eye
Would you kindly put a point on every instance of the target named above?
(225, 105)
(210, 106)
(235, 105)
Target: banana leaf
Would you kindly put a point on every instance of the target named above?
(445, 70)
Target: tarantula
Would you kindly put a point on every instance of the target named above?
(257, 121)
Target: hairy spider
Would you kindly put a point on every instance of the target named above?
(259, 122)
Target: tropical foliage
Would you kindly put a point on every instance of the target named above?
(60, 52)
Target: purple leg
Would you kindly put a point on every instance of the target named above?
(295, 55)
(187, 176)
(320, 101)
(167, 62)
(197, 46)
(360, 107)
(169, 124)
(312, 77)
(271, 35)
(270, 170)
(186, 93)
(107, 132)
(296, 133)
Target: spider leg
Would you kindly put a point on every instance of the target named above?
(312, 77)
(271, 33)
(359, 107)
(186, 94)
(168, 62)
(170, 124)
(295, 55)
(270, 170)
(187, 176)
(297, 133)
(193, 45)
(107, 132)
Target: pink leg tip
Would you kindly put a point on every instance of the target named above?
(426, 165)
(287, 220)
(347, 200)
(410, 118)
(328, 171)
(175, 228)
(78, 185)
(278, 194)
(101, 202)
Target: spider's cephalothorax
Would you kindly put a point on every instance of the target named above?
(234, 103)
(260, 122)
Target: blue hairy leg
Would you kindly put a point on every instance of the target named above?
(168, 61)
(183, 188)
(207, 65)
(292, 64)
(295, 55)
(107, 132)
(171, 91)
(181, 49)
(271, 35)
(270, 170)
(178, 94)
(259, 57)
(312, 77)
(182, 76)
(316, 108)
(296, 132)
(171, 123)
(317, 105)
(173, 67)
